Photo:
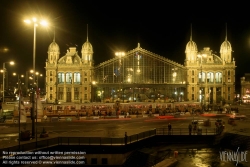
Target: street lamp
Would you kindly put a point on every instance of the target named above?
(19, 107)
(37, 78)
(34, 21)
(4, 70)
(93, 93)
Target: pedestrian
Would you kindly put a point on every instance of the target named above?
(190, 129)
(125, 138)
(194, 130)
(169, 128)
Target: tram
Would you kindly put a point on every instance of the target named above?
(105, 109)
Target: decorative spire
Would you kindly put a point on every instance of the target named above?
(54, 35)
(226, 33)
(191, 32)
(87, 33)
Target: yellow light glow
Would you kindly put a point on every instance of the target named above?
(34, 21)
(202, 55)
(14, 74)
(31, 71)
(44, 23)
(12, 62)
(120, 54)
(27, 21)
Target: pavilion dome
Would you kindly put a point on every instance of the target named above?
(225, 47)
(87, 47)
(191, 46)
(53, 47)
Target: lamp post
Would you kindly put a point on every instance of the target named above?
(19, 108)
(35, 24)
(4, 70)
(37, 78)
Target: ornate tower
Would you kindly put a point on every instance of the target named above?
(53, 52)
(191, 50)
(226, 51)
(87, 52)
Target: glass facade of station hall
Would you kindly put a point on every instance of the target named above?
(139, 75)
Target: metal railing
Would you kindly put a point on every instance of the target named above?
(102, 141)
(185, 131)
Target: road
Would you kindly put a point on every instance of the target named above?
(106, 128)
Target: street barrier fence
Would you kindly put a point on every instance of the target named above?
(104, 141)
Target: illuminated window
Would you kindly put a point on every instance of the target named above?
(218, 77)
(210, 77)
(77, 77)
(61, 77)
(68, 78)
(202, 77)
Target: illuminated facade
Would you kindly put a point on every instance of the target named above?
(211, 78)
(140, 75)
(68, 78)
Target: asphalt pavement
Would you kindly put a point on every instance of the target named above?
(116, 128)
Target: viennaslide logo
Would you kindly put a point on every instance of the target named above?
(234, 156)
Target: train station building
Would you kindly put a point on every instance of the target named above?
(140, 75)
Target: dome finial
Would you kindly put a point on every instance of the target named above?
(87, 33)
(191, 32)
(54, 35)
(226, 33)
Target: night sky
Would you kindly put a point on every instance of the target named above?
(162, 27)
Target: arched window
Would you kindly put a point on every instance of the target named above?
(68, 78)
(218, 77)
(202, 77)
(61, 77)
(210, 77)
(77, 77)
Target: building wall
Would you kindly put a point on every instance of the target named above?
(142, 75)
